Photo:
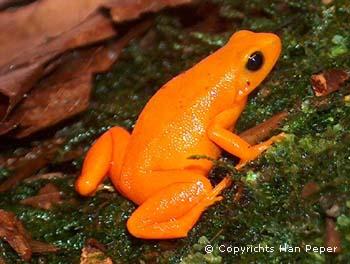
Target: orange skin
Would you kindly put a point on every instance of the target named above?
(192, 114)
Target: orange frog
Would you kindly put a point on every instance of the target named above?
(192, 114)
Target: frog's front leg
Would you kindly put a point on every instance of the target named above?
(105, 155)
(173, 210)
(219, 132)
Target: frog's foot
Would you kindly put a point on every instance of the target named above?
(173, 211)
(106, 154)
(256, 150)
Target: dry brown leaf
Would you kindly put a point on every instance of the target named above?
(93, 253)
(34, 63)
(40, 41)
(5, 3)
(95, 28)
(11, 230)
(327, 2)
(42, 247)
(25, 170)
(47, 197)
(10, 3)
(48, 106)
(33, 161)
(309, 189)
(255, 134)
(14, 233)
(66, 92)
(15, 84)
(39, 23)
(332, 235)
(126, 10)
(329, 81)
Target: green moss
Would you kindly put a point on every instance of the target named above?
(4, 174)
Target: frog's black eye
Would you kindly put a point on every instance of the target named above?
(255, 61)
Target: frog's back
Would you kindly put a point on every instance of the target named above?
(172, 126)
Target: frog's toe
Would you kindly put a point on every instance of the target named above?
(256, 150)
(278, 137)
(241, 164)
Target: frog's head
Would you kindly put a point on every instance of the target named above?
(255, 54)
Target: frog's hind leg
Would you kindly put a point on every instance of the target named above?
(106, 154)
(173, 211)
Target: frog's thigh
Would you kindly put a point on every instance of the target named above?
(120, 141)
(108, 149)
(96, 165)
(172, 211)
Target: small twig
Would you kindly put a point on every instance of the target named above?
(217, 235)
(45, 176)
